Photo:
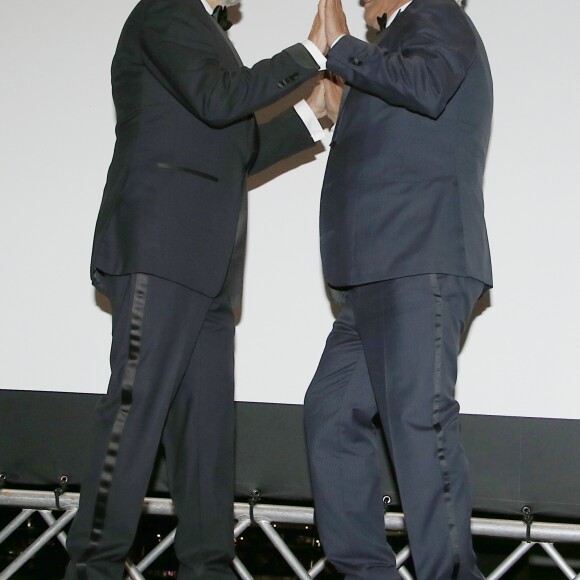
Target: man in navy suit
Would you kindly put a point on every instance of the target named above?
(168, 252)
(403, 237)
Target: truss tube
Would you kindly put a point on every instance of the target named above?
(284, 550)
(400, 559)
(514, 557)
(15, 524)
(276, 513)
(499, 528)
(51, 520)
(241, 569)
(242, 525)
(395, 522)
(402, 556)
(40, 542)
(317, 568)
(516, 530)
(157, 551)
(560, 562)
(132, 571)
(37, 500)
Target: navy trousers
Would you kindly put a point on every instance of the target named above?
(171, 381)
(393, 351)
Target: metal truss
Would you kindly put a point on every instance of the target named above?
(266, 517)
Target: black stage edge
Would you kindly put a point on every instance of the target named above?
(515, 461)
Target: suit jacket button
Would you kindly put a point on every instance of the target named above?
(294, 76)
(281, 84)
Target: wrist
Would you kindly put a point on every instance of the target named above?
(316, 110)
(336, 38)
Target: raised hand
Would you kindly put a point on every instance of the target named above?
(318, 32)
(333, 88)
(335, 21)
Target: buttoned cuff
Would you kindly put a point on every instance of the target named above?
(315, 53)
(309, 119)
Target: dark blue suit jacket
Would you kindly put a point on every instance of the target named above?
(402, 193)
(186, 140)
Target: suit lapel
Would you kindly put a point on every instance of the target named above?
(228, 42)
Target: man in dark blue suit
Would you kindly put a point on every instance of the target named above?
(168, 252)
(403, 236)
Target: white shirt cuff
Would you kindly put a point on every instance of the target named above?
(316, 54)
(334, 43)
(309, 119)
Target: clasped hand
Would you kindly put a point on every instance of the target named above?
(329, 25)
(326, 97)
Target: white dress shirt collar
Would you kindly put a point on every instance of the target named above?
(207, 7)
(395, 14)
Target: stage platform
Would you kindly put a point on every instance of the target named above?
(525, 475)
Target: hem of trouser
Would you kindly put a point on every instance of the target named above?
(136, 326)
(443, 464)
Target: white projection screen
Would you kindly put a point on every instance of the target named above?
(522, 354)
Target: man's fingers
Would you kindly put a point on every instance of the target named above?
(332, 6)
(330, 77)
(335, 20)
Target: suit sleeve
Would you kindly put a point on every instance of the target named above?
(282, 137)
(424, 73)
(181, 48)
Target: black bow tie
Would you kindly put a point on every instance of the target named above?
(221, 16)
(382, 20)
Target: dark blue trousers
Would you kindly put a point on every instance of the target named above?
(393, 350)
(171, 382)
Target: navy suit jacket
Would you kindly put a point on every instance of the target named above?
(186, 141)
(402, 192)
